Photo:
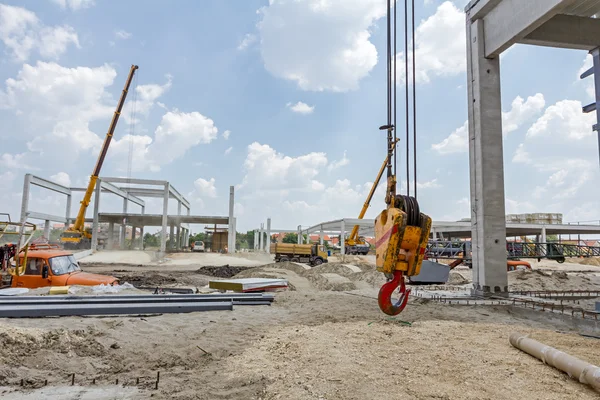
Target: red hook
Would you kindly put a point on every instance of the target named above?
(386, 292)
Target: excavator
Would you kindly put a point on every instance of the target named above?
(78, 236)
(401, 229)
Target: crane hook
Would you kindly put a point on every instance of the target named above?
(387, 290)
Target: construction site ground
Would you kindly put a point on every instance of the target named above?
(323, 338)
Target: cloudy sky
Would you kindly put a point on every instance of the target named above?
(281, 99)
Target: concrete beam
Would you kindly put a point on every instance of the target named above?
(46, 184)
(479, 8)
(45, 217)
(567, 32)
(115, 190)
(134, 181)
(180, 198)
(510, 21)
(145, 192)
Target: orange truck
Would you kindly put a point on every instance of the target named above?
(47, 265)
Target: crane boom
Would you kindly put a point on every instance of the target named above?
(76, 232)
(352, 240)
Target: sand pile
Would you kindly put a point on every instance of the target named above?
(595, 261)
(361, 360)
(456, 278)
(330, 276)
(558, 280)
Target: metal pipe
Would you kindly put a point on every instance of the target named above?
(41, 300)
(63, 310)
(574, 367)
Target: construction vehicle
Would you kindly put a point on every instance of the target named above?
(48, 265)
(77, 236)
(312, 254)
(358, 244)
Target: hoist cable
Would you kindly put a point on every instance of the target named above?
(132, 131)
(407, 97)
(414, 99)
(389, 88)
(395, 97)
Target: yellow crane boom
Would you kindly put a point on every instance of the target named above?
(76, 236)
(353, 239)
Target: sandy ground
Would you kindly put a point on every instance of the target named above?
(324, 338)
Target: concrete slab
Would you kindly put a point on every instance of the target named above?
(75, 392)
(247, 284)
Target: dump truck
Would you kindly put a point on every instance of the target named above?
(312, 254)
(49, 265)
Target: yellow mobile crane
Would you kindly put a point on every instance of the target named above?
(76, 236)
(357, 244)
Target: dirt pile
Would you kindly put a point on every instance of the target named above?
(558, 280)
(456, 278)
(310, 362)
(224, 271)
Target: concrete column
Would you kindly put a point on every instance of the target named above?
(321, 234)
(544, 239)
(268, 236)
(234, 234)
(488, 223)
(111, 235)
(95, 217)
(299, 234)
(132, 246)
(231, 234)
(47, 229)
(142, 230)
(256, 239)
(343, 238)
(25, 197)
(171, 237)
(163, 234)
(68, 209)
(261, 237)
(123, 227)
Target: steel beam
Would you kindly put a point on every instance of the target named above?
(567, 32)
(64, 310)
(134, 299)
(46, 184)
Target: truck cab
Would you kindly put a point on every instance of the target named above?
(54, 267)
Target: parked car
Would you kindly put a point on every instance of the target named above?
(198, 246)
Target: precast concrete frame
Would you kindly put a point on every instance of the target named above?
(101, 186)
(130, 194)
(339, 227)
(493, 26)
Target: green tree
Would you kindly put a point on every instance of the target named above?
(290, 238)
(151, 240)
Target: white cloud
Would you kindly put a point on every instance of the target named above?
(145, 97)
(432, 184)
(266, 169)
(301, 108)
(75, 4)
(226, 134)
(520, 113)
(15, 161)
(339, 163)
(22, 32)
(122, 34)
(588, 62)
(62, 178)
(564, 118)
(247, 41)
(521, 155)
(228, 150)
(320, 45)
(439, 44)
(204, 188)
(457, 142)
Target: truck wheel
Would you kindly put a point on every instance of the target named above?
(296, 259)
(318, 261)
(284, 259)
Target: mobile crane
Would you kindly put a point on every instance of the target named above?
(357, 244)
(77, 236)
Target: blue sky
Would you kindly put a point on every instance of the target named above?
(299, 87)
